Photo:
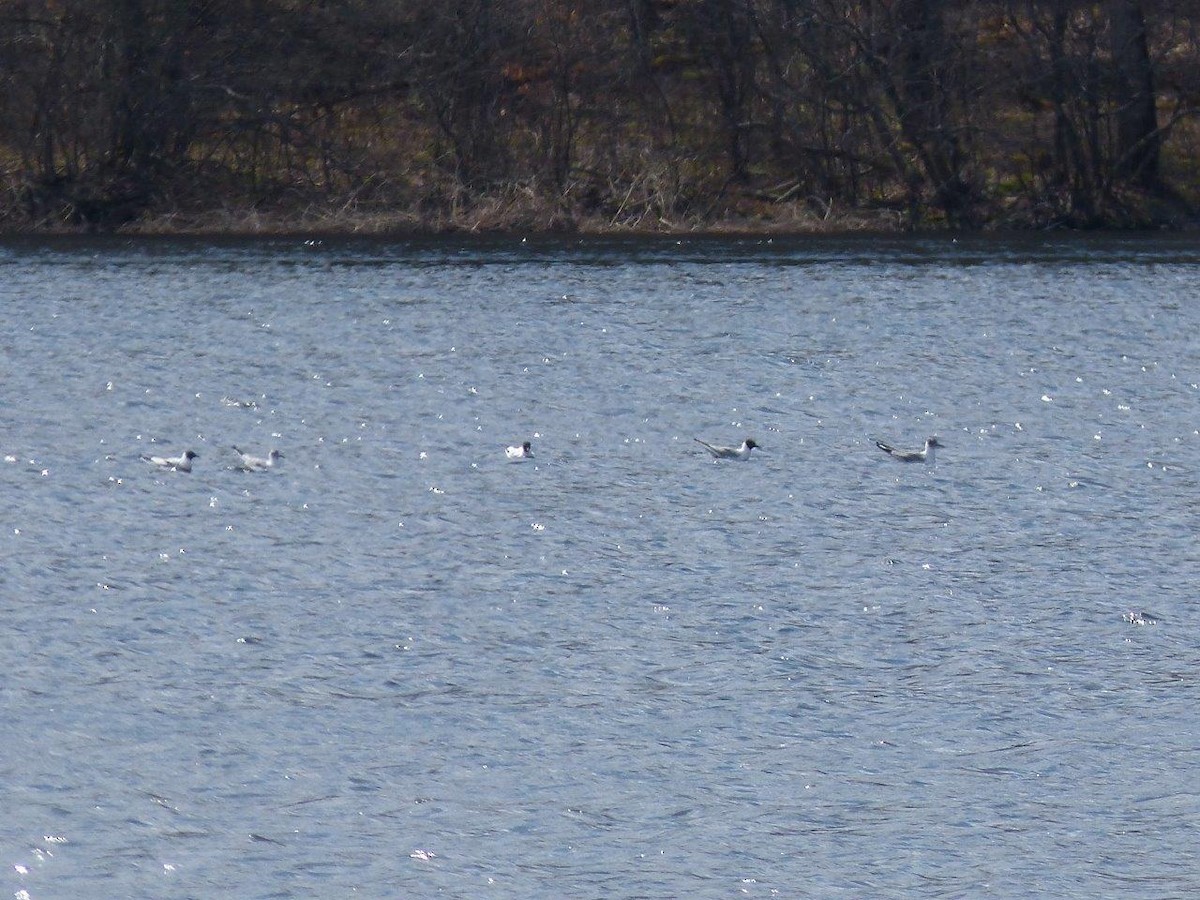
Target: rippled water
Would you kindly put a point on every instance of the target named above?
(404, 666)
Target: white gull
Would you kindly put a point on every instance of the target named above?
(257, 463)
(923, 455)
(182, 463)
(525, 451)
(742, 452)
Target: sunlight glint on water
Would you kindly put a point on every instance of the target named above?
(401, 664)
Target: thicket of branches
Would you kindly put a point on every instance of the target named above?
(599, 114)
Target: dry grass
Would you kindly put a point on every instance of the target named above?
(514, 210)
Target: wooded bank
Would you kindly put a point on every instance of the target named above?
(384, 115)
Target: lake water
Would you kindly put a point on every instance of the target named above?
(400, 665)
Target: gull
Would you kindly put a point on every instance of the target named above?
(923, 455)
(257, 463)
(177, 463)
(742, 452)
(1135, 617)
(525, 451)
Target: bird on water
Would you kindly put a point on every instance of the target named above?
(525, 451)
(182, 463)
(741, 453)
(251, 463)
(925, 454)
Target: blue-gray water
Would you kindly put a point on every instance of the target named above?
(403, 666)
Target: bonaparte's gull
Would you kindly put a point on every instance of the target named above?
(178, 463)
(742, 452)
(923, 455)
(257, 463)
(525, 451)
(1135, 617)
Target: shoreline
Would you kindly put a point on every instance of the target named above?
(742, 217)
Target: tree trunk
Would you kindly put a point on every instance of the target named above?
(1137, 117)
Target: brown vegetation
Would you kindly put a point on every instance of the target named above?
(386, 115)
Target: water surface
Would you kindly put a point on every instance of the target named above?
(404, 666)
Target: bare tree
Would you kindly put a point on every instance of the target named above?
(1134, 96)
(633, 111)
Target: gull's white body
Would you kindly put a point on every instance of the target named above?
(257, 463)
(181, 463)
(740, 453)
(925, 455)
(524, 451)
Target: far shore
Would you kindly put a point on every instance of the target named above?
(248, 222)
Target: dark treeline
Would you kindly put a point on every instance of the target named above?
(652, 114)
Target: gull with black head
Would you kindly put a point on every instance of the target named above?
(524, 451)
(739, 453)
(181, 463)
